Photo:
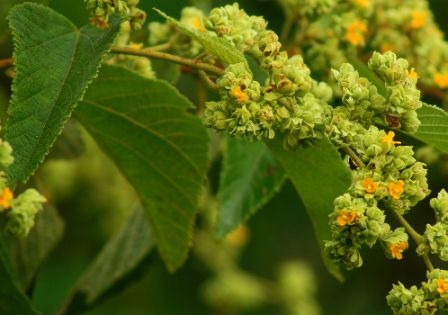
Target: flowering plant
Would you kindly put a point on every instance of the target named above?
(337, 103)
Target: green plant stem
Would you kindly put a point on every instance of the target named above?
(160, 47)
(415, 236)
(151, 53)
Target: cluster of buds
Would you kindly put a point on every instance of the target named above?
(388, 176)
(429, 298)
(20, 210)
(289, 102)
(101, 10)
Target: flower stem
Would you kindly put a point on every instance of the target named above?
(415, 236)
(151, 53)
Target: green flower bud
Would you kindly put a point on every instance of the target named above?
(440, 206)
(23, 210)
(436, 236)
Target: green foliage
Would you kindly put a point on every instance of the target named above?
(117, 264)
(55, 62)
(307, 169)
(30, 253)
(250, 177)
(12, 299)
(162, 150)
(434, 127)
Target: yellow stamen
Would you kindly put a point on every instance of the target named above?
(346, 217)
(397, 249)
(395, 190)
(442, 286)
(441, 80)
(239, 94)
(369, 185)
(418, 19)
(5, 198)
(389, 138)
(355, 33)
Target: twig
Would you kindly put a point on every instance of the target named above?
(150, 53)
(4, 63)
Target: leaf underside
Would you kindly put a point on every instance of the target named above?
(55, 62)
(162, 150)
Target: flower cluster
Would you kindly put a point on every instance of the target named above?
(101, 10)
(429, 298)
(289, 102)
(19, 210)
(355, 29)
(390, 176)
(435, 236)
(366, 106)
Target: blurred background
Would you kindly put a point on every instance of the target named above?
(94, 200)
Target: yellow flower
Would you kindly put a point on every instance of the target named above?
(355, 32)
(412, 74)
(361, 3)
(369, 185)
(5, 198)
(197, 24)
(397, 249)
(395, 190)
(346, 217)
(442, 286)
(418, 19)
(441, 80)
(389, 138)
(239, 94)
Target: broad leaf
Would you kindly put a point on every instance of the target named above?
(216, 45)
(12, 300)
(250, 177)
(143, 126)
(29, 253)
(319, 176)
(434, 127)
(119, 262)
(55, 62)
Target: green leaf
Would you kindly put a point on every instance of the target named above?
(12, 299)
(29, 253)
(250, 177)
(55, 62)
(143, 126)
(319, 176)
(434, 127)
(216, 45)
(70, 143)
(120, 262)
